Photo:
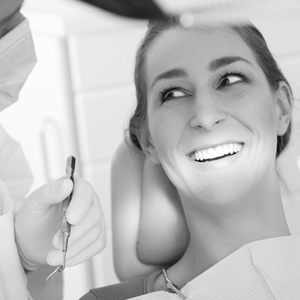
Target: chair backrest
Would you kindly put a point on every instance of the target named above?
(126, 182)
(148, 225)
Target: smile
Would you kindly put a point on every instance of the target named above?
(215, 153)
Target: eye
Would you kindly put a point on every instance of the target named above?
(231, 78)
(172, 93)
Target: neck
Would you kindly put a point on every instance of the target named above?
(214, 234)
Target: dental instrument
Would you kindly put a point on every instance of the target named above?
(65, 226)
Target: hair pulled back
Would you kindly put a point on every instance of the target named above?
(250, 35)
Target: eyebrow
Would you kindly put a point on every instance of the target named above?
(173, 73)
(213, 66)
(225, 61)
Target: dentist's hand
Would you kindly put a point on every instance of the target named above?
(37, 224)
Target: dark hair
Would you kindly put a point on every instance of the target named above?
(250, 35)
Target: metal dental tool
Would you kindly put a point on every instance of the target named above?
(65, 226)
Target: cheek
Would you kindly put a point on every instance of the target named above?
(259, 112)
(267, 120)
(165, 128)
(161, 133)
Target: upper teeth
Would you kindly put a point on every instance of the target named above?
(218, 151)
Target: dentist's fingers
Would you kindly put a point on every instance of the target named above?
(93, 218)
(83, 196)
(89, 245)
(51, 193)
(87, 253)
(88, 238)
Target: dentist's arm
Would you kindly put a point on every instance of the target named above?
(37, 224)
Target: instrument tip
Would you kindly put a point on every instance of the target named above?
(56, 271)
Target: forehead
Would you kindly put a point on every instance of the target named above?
(178, 47)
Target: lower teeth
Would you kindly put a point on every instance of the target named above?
(216, 158)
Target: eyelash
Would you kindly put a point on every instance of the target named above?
(164, 92)
(234, 73)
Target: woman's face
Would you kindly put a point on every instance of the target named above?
(211, 115)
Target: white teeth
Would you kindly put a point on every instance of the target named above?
(235, 148)
(211, 152)
(200, 155)
(226, 149)
(218, 151)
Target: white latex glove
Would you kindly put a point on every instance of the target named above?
(37, 224)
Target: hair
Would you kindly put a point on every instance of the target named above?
(250, 35)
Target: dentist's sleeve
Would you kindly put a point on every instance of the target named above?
(13, 284)
(17, 178)
(14, 169)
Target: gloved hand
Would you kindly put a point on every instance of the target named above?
(37, 224)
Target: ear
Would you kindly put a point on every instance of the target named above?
(283, 107)
(148, 147)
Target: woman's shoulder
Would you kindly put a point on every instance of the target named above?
(121, 291)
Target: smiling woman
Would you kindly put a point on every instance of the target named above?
(214, 110)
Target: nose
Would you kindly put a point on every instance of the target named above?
(207, 113)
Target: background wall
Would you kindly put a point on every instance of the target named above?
(80, 95)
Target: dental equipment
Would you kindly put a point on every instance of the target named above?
(65, 226)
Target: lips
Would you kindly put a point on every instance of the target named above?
(214, 153)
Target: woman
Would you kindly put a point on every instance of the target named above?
(215, 111)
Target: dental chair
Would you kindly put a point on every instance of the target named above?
(148, 225)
